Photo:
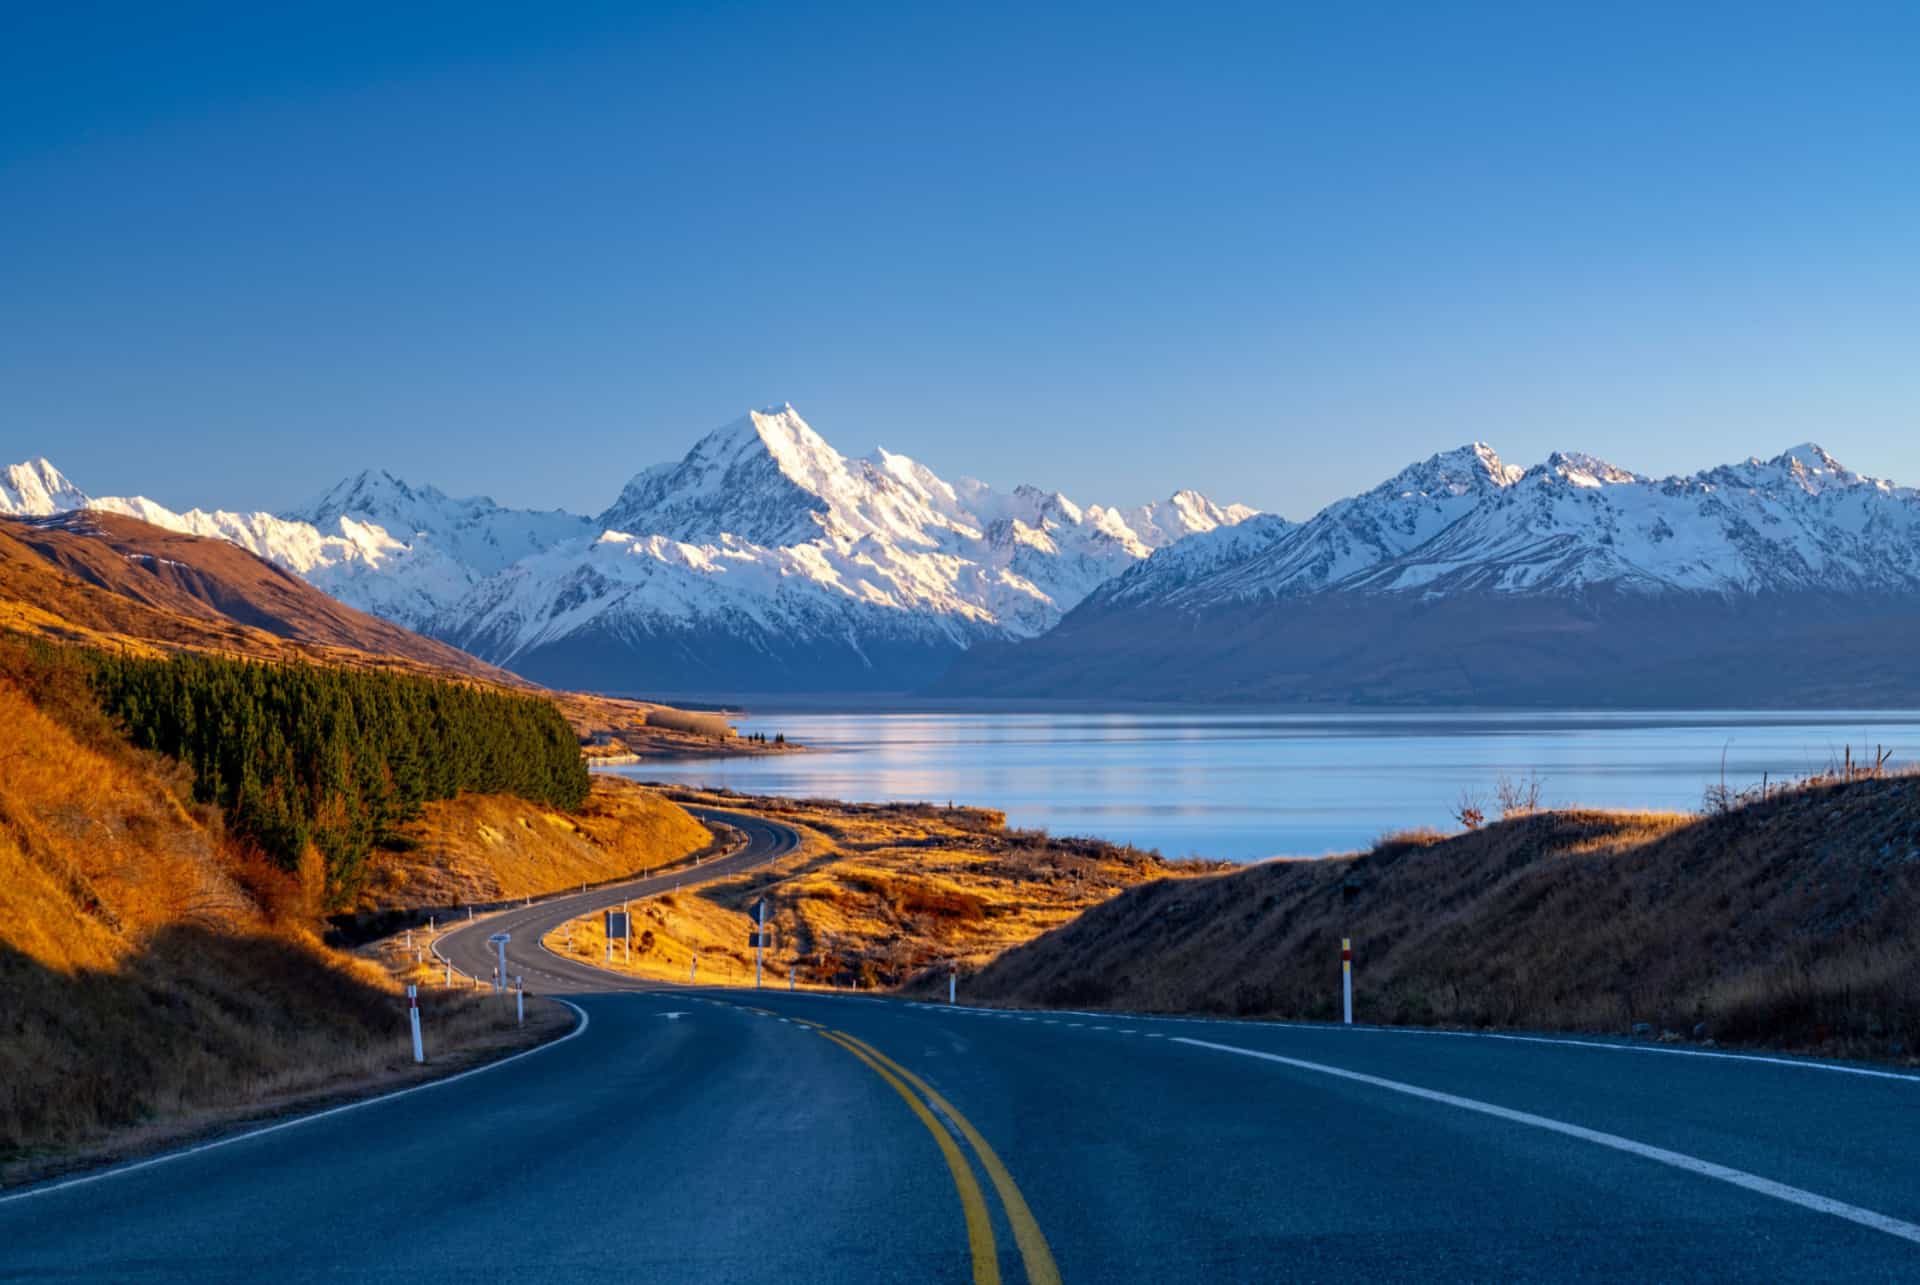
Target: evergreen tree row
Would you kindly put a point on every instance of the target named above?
(297, 754)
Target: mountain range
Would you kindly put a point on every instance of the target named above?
(1465, 580)
(764, 560)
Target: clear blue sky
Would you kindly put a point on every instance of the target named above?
(1270, 251)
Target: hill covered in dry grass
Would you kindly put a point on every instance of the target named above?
(157, 975)
(487, 847)
(108, 580)
(1789, 921)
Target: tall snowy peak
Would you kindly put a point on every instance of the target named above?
(36, 489)
(766, 477)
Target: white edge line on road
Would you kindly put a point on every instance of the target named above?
(1678, 1160)
(579, 1028)
(1558, 1041)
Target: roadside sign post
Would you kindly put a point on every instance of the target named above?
(499, 942)
(520, 1000)
(413, 1017)
(1346, 980)
(616, 925)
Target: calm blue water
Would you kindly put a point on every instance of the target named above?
(1245, 786)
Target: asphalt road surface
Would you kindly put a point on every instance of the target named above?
(736, 1135)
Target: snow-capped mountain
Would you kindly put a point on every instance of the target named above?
(36, 489)
(764, 556)
(762, 559)
(1464, 577)
(1463, 521)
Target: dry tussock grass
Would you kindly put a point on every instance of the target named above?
(877, 895)
(481, 848)
(1787, 922)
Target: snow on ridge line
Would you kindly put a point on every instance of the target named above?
(879, 534)
(1462, 521)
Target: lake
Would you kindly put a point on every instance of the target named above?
(1244, 786)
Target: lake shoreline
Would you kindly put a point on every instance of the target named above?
(1247, 787)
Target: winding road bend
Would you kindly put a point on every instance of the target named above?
(709, 1134)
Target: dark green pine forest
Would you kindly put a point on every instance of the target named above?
(299, 754)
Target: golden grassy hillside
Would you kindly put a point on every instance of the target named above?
(155, 976)
(482, 847)
(112, 581)
(1788, 921)
(877, 894)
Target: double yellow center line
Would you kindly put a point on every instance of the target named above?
(923, 1100)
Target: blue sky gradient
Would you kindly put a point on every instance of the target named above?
(1273, 252)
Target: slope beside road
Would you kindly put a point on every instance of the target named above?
(697, 1134)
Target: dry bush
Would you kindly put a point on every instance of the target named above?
(1517, 798)
(1470, 811)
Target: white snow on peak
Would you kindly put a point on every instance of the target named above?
(36, 489)
(1464, 522)
(1586, 470)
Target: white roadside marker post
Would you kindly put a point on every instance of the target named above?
(520, 1000)
(626, 915)
(409, 939)
(1346, 980)
(413, 1016)
(449, 981)
(790, 968)
(693, 969)
(953, 980)
(759, 943)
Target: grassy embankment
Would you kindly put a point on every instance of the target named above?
(162, 973)
(877, 894)
(1785, 921)
(487, 847)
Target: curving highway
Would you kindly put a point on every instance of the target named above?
(730, 1135)
(468, 950)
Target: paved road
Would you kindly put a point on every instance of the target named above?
(732, 1135)
(467, 948)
